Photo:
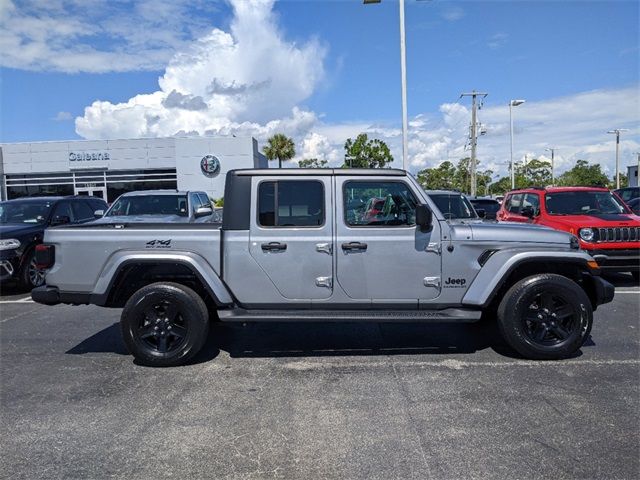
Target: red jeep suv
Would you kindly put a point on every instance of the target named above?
(606, 227)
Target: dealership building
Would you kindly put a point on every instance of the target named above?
(109, 168)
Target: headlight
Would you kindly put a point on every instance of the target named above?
(9, 244)
(586, 234)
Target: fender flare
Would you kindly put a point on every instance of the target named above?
(502, 263)
(197, 264)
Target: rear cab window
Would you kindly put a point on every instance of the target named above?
(291, 203)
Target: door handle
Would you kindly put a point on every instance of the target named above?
(266, 247)
(351, 246)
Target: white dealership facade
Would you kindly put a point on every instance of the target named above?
(108, 168)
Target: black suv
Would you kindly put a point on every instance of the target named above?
(22, 225)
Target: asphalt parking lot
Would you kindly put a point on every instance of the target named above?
(316, 401)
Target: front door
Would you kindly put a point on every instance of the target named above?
(291, 235)
(381, 254)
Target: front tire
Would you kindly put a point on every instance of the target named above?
(545, 317)
(164, 324)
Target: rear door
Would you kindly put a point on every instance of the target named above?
(292, 233)
(380, 253)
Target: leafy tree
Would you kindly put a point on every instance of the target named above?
(441, 177)
(280, 147)
(535, 172)
(365, 153)
(583, 174)
(219, 202)
(312, 163)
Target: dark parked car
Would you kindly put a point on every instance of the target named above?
(22, 225)
(488, 205)
(627, 194)
(454, 206)
(634, 205)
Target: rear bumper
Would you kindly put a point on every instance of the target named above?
(617, 260)
(48, 295)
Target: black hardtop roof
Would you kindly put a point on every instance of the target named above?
(395, 172)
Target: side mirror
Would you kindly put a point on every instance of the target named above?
(482, 213)
(203, 211)
(98, 213)
(424, 217)
(527, 212)
(60, 220)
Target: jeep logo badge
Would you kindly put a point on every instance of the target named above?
(210, 166)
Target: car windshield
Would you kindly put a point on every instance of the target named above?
(454, 206)
(29, 212)
(149, 205)
(488, 206)
(583, 203)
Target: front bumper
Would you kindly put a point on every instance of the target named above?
(617, 260)
(604, 291)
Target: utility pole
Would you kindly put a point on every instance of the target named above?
(553, 151)
(617, 132)
(474, 136)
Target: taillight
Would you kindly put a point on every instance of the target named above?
(45, 256)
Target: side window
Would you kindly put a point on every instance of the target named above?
(81, 211)
(291, 203)
(532, 200)
(514, 203)
(378, 204)
(196, 201)
(204, 200)
(63, 209)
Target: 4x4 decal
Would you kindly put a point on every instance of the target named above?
(158, 244)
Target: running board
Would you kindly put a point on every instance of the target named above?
(457, 315)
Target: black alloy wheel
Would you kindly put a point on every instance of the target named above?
(164, 324)
(545, 317)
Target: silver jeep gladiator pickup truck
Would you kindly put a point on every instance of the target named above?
(338, 245)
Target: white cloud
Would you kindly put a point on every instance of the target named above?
(96, 36)
(453, 13)
(63, 117)
(246, 80)
(497, 40)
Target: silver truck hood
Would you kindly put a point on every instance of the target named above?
(520, 233)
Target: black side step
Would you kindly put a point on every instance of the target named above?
(457, 315)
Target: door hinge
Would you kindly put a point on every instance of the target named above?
(431, 282)
(324, 247)
(434, 247)
(324, 282)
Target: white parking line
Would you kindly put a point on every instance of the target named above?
(21, 300)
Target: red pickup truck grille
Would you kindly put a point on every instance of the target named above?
(618, 234)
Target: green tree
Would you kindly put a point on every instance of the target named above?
(219, 202)
(535, 173)
(441, 177)
(312, 163)
(583, 174)
(365, 153)
(280, 147)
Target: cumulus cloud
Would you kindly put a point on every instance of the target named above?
(249, 79)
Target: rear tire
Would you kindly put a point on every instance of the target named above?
(164, 324)
(30, 276)
(545, 317)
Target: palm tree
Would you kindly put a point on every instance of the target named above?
(281, 147)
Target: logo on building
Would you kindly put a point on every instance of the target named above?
(88, 157)
(210, 166)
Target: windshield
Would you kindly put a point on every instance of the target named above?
(454, 206)
(24, 212)
(583, 203)
(149, 205)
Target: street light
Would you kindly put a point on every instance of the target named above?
(513, 103)
(403, 74)
(617, 132)
(553, 151)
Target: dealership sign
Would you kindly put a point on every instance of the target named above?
(88, 157)
(210, 166)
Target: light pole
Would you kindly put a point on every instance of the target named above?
(553, 151)
(403, 75)
(513, 103)
(617, 132)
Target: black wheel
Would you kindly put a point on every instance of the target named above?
(545, 317)
(164, 324)
(30, 276)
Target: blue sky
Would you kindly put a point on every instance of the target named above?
(325, 70)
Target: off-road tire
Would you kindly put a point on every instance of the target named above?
(517, 307)
(147, 308)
